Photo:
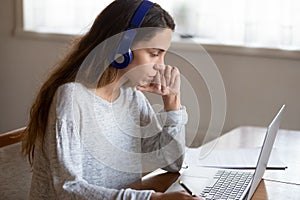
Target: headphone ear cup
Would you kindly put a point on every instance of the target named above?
(120, 60)
(126, 60)
(128, 56)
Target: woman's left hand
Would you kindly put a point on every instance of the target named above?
(165, 82)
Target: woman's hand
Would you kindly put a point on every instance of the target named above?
(180, 195)
(165, 82)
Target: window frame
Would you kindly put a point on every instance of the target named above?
(182, 44)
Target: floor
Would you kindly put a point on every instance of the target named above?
(15, 174)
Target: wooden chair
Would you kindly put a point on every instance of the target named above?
(11, 137)
(15, 171)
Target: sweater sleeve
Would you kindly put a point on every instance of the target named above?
(163, 141)
(65, 152)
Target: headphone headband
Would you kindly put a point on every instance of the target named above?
(140, 14)
(128, 37)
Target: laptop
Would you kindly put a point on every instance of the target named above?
(211, 183)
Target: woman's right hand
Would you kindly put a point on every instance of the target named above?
(179, 195)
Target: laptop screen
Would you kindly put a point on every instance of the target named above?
(265, 152)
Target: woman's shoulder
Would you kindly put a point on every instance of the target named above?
(66, 88)
(67, 96)
(68, 91)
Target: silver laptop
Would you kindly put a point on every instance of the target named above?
(230, 184)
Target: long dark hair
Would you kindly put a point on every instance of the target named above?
(112, 20)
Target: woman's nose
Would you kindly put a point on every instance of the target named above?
(161, 61)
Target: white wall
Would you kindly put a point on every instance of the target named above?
(255, 86)
(24, 64)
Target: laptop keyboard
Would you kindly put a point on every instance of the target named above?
(229, 185)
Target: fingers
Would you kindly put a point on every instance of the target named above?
(168, 74)
(174, 74)
(174, 86)
(157, 80)
(180, 195)
(190, 197)
(165, 82)
(142, 88)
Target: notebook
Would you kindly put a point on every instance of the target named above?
(212, 183)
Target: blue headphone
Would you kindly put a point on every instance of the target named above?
(122, 57)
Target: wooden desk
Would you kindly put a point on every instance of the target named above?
(278, 184)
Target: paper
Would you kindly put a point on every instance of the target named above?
(242, 158)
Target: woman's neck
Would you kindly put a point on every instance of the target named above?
(108, 93)
(111, 91)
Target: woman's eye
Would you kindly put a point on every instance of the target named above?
(154, 54)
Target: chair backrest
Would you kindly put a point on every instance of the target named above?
(11, 137)
(15, 171)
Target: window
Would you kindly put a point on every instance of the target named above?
(256, 23)
(61, 16)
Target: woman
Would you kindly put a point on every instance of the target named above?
(91, 133)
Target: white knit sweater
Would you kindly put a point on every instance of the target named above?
(94, 148)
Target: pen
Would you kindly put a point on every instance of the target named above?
(186, 188)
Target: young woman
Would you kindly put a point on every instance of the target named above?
(91, 133)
